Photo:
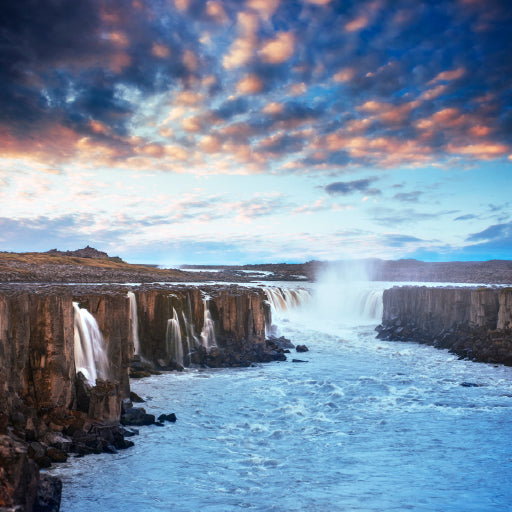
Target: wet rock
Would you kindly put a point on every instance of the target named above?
(280, 343)
(135, 398)
(167, 417)
(56, 455)
(83, 390)
(301, 348)
(137, 416)
(49, 492)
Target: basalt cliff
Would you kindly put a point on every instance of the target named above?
(48, 411)
(475, 323)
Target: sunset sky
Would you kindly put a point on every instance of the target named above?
(230, 131)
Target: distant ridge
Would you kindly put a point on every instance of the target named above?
(86, 252)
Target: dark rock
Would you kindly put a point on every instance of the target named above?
(83, 390)
(49, 492)
(136, 398)
(301, 348)
(167, 417)
(56, 455)
(137, 416)
(299, 361)
(280, 343)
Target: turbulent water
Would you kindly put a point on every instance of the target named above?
(363, 425)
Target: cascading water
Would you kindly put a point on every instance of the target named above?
(134, 323)
(173, 338)
(208, 332)
(90, 351)
(282, 299)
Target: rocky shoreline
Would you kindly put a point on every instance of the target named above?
(474, 323)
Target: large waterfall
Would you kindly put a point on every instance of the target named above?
(352, 302)
(90, 352)
(282, 299)
(134, 322)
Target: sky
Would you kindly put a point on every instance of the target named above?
(254, 131)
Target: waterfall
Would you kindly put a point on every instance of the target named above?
(282, 299)
(134, 323)
(208, 332)
(90, 352)
(173, 338)
(189, 334)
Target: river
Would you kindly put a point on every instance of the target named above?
(361, 425)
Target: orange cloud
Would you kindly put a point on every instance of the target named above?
(250, 84)
(448, 76)
(358, 23)
(243, 47)
(484, 151)
(279, 49)
(345, 75)
(160, 50)
(264, 7)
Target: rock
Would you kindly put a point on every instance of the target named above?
(105, 401)
(299, 361)
(135, 398)
(19, 475)
(83, 390)
(137, 416)
(49, 492)
(301, 348)
(167, 417)
(56, 455)
(280, 343)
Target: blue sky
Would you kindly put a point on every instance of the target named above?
(223, 131)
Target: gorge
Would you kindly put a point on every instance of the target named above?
(49, 334)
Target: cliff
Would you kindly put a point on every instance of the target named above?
(41, 417)
(211, 326)
(472, 322)
(48, 411)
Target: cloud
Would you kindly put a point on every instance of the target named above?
(469, 216)
(250, 84)
(349, 187)
(497, 233)
(395, 240)
(278, 50)
(408, 197)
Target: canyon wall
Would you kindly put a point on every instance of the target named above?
(215, 325)
(47, 411)
(472, 322)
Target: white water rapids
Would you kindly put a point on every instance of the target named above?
(363, 425)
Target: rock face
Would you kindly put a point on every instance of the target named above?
(472, 322)
(208, 326)
(39, 397)
(48, 411)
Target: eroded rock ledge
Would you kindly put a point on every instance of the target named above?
(47, 412)
(475, 323)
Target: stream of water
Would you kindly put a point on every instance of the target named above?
(362, 425)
